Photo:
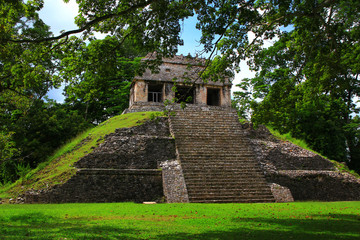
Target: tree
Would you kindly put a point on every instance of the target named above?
(310, 77)
(33, 136)
(99, 76)
(25, 69)
(311, 72)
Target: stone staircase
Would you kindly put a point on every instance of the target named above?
(216, 161)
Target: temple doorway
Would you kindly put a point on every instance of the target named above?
(213, 97)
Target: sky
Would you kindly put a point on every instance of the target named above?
(60, 16)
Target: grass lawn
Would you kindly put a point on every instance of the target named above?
(308, 220)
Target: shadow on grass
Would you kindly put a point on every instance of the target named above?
(41, 226)
(334, 226)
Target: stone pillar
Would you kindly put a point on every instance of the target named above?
(132, 95)
(173, 182)
(140, 91)
(225, 96)
(168, 93)
(200, 93)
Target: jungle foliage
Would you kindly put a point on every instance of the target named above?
(307, 82)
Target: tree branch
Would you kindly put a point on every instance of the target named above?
(86, 25)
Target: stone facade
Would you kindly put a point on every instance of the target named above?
(318, 185)
(152, 89)
(173, 182)
(125, 167)
(281, 193)
(104, 185)
(307, 175)
(213, 158)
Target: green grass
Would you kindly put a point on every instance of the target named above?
(301, 143)
(288, 137)
(309, 220)
(59, 168)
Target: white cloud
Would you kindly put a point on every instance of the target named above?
(59, 15)
(245, 72)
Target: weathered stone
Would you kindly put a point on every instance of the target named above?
(153, 88)
(281, 193)
(105, 185)
(212, 159)
(216, 162)
(308, 175)
(318, 185)
(173, 182)
(125, 167)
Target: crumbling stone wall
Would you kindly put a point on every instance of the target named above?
(281, 193)
(307, 175)
(125, 167)
(173, 182)
(141, 147)
(318, 185)
(104, 185)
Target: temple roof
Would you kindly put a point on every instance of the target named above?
(178, 69)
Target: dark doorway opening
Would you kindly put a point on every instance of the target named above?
(185, 94)
(213, 97)
(155, 92)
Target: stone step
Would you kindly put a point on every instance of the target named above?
(206, 117)
(231, 199)
(228, 191)
(210, 135)
(198, 152)
(224, 186)
(217, 164)
(201, 166)
(224, 168)
(212, 121)
(246, 156)
(205, 128)
(238, 143)
(214, 171)
(206, 134)
(252, 200)
(192, 164)
(233, 192)
(215, 151)
(214, 142)
(239, 172)
(228, 197)
(244, 182)
(198, 121)
(219, 158)
(212, 179)
(221, 174)
(214, 161)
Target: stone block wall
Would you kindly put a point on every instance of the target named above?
(91, 185)
(173, 182)
(281, 193)
(318, 185)
(306, 174)
(125, 167)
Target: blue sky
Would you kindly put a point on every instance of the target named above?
(60, 16)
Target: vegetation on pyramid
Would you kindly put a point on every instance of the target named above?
(59, 167)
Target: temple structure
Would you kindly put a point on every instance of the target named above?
(150, 90)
